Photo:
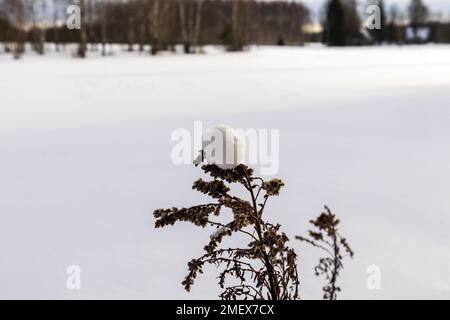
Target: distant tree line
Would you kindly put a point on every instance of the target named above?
(158, 24)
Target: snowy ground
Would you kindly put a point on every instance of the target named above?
(85, 158)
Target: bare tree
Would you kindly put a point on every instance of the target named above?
(190, 12)
(239, 16)
(103, 17)
(158, 24)
(141, 23)
(154, 25)
(18, 13)
(38, 11)
(55, 8)
(82, 46)
(131, 24)
(90, 26)
(5, 25)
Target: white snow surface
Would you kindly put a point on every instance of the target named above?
(85, 159)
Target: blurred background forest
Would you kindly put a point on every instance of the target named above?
(159, 25)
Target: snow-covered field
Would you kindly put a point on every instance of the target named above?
(85, 158)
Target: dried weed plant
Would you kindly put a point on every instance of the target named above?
(326, 237)
(266, 268)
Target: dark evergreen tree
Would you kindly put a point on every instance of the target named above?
(334, 28)
(82, 45)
